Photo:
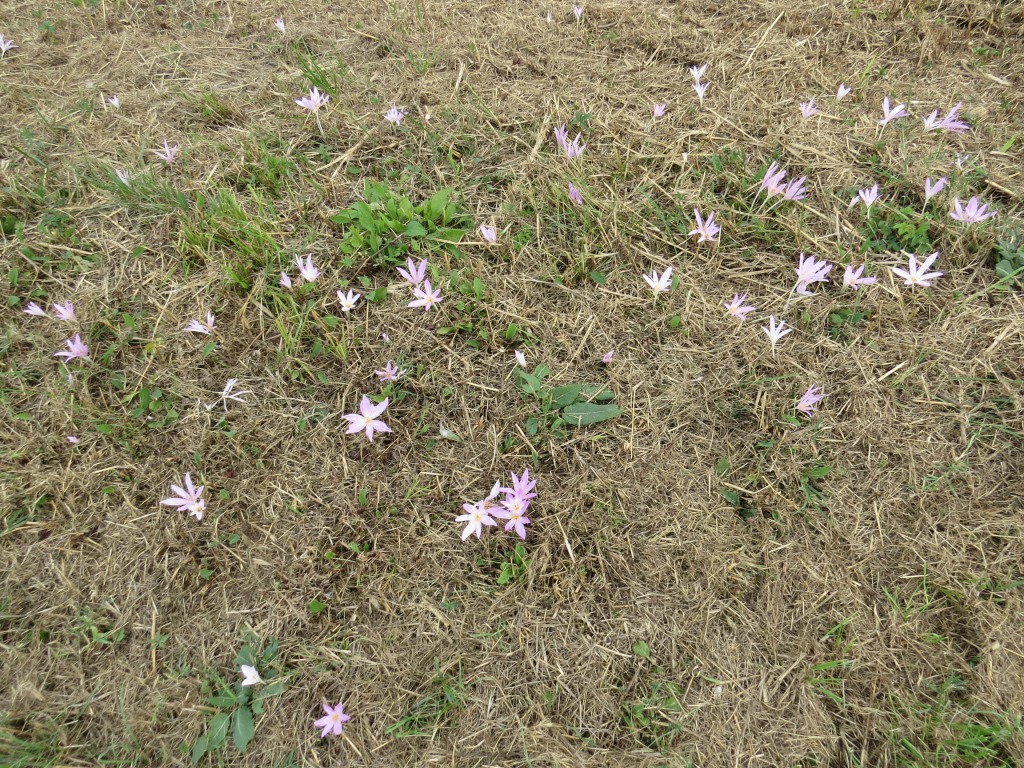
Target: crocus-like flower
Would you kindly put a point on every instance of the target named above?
(34, 309)
(809, 271)
(367, 419)
(333, 720)
(575, 196)
(478, 515)
(279, 23)
(489, 234)
(390, 372)
(114, 101)
(228, 393)
(577, 11)
(314, 100)
(607, 357)
(868, 196)
(701, 89)
(659, 110)
(348, 300)
(707, 230)
(513, 509)
(659, 283)
(571, 149)
(808, 404)
(76, 348)
(795, 189)
(775, 332)
(308, 270)
(852, 277)
(947, 123)
(167, 154)
(521, 486)
(198, 326)
(551, 19)
(188, 499)
(931, 189)
(285, 281)
(890, 113)
(842, 92)
(737, 309)
(917, 274)
(961, 160)
(250, 676)
(520, 358)
(974, 212)
(416, 272)
(774, 180)
(123, 176)
(395, 114)
(698, 72)
(426, 296)
(6, 44)
(73, 439)
(807, 109)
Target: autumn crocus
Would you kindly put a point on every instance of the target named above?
(659, 283)
(314, 100)
(948, 123)
(285, 281)
(228, 393)
(188, 499)
(575, 196)
(348, 300)
(572, 149)
(279, 23)
(167, 154)
(390, 372)
(250, 676)
(65, 311)
(808, 403)
(395, 115)
(931, 189)
(659, 110)
(416, 272)
(489, 234)
(775, 332)
(114, 101)
(842, 92)
(807, 109)
(707, 230)
(701, 89)
(125, 177)
(795, 189)
(6, 44)
(577, 11)
(521, 486)
(307, 269)
(426, 296)
(737, 308)
(917, 274)
(973, 213)
(513, 508)
(367, 419)
(34, 309)
(198, 326)
(698, 72)
(478, 515)
(333, 721)
(852, 277)
(607, 357)
(890, 113)
(520, 358)
(76, 349)
(868, 196)
(810, 271)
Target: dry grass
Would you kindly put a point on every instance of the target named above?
(858, 604)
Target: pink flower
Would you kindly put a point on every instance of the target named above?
(795, 189)
(167, 154)
(773, 181)
(367, 419)
(868, 196)
(809, 402)
(426, 296)
(607, 357)
(842, 92)
(577, 11)
(513, 509)
(6, 44)
(572, 149)
(314, 100)
(489, 234)
(395, 115)
(852, 277)
(390, 372)
(416, 272)
(308, 270)
(575, 196)
(706, 229)
(228, 393)
(34, 309)
(250, 676)
(285, 281)
(932, 189)
(333, 720)
(198, 326)
(279, 23)
(807, 109)
(973, 213)
(76, 348)
(520, 358)
(948, 123)
(892, 113)
(775, 332)
(917, 274)
(477, 515)
(348, 300)
(521, 486)
(659, 283)
(809, 271)
(188, 499)
(114, 101)
(736, 307)
(65, 311)
(701, 89)
(659, 110)
(72, 439)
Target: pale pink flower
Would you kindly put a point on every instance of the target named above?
(167, 154)
(659, 110)
(809, 271)
(917, 274)
(76, 349)
(6, 44)
(774, 180)
(416, 273)
(775, 332)
(947, 123)
(808, 404)
(795, 189)
(571, 149)
(842, 92)
(426, 296)
(390, 372)
(198, 326)
(489, 234)
(513, 509)
(73, 439)
(701, 89)
(333, 720)
(188, 499)
(250, 676)
(521, 486)
(659, 283)
(698, 72)
(868, 196)
(852, 277)
(123, 176)
(890, 113)
(114, 101)
(34, 309)
(367, 419)
(285, 281)
(575, 196)
(279, 23)
(65, 311)
(314, 100)
(307, 269)
(478, 515)
(577, 11)
(973, 213)
(706, 229)
(961, 160)
(348, 300)
(932, 189)
(607, 357)
(520, 358)
(228, 393)
(395, 115)
(807, 109)
(737, 309)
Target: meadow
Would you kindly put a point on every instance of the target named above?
(507, 384)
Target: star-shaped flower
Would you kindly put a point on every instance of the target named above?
(852, 277)
(890, 113)
(390, 372)
(228, 393)
(348, 300)
(333, 721)
(478, 515)
(6, 44)
(737, 309)
(807, 109)
(416, 273)
(707, 230)
(868, 196)
(659, 283)
(167, 154)
(808, 404)
(314, 100)
(973, 213)
(659, 110)
(571, 149)
(426, 296)
(76, 349)
(395, 115)
(34, 309)
(198, 326)
(917, 274)
(701, 89)
(367, 419)
(698, 72)
(931, 189)
(809, 271)
(188, 499)
(775, 332)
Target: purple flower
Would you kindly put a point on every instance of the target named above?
(577, 11)
(333, 720)
(707, 230)
(390, 372)
(890, 113)
(737, 309)
(807, 109)
(114, 101)
(73, 439)
(852, 277)
(314, 100)
(795, 189)
(513, 508)
(416, 272)
(426, 296)
(6, 45)
(65, 311)
(808, 404)
(520, 358)
(490, 234)
(973, 213)
(167, 154)
(198, 326)
(76, 348)
(188, 499)
(809, 271)
(34, 309)
(701, 89)
(478, 515)
(367, 419)
(773, 181)
(572, 149)
(868, 196)
(842, 92)
(228, 393)
(575, 196)
(285, 281)
(395, 115)
(947, 123)
(521, 486)
(123, 176)
(607, 357)
(659, 110)
(932, 189)
(917, 274)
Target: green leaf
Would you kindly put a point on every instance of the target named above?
(506, 573)
(415, 229)
(106, 429)
(529, 383)
(733, 497)
(585, 414)
(378, 295)
(722, 467)
(640, 648)
(315, 606)
(598, 278)
(435, 205)
(221, 701)
(198, 750)
(565, 396)
(244, 729)
(820, 471)
(218, 730)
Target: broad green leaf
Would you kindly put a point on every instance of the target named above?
(218, 730)
(640, 648)
(565, 396)
(584, 414)
(198, 750)
(415, 229)
(244, 729)
(315, 606)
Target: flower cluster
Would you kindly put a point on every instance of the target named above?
(512, 508)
